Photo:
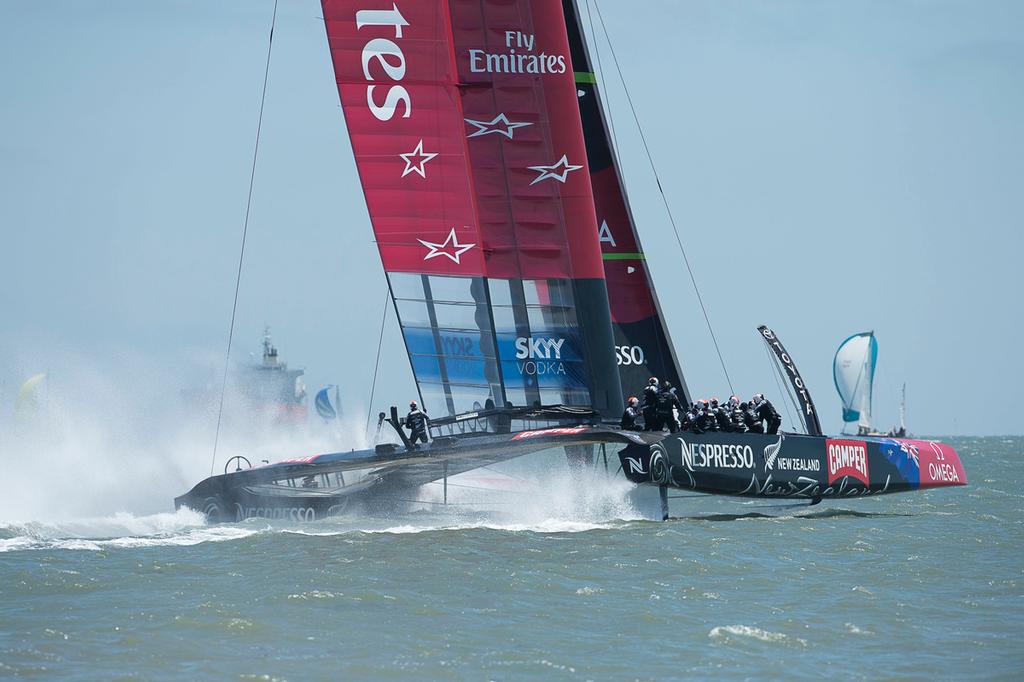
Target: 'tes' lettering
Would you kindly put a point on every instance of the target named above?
(388, 55)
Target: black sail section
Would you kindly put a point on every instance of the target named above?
(808, 413)
(643, 346)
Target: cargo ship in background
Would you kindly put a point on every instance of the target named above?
(270, 389)
(263, 392)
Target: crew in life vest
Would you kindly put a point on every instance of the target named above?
(708, 420)
(736, 415)
(690, 420)
(630, 415)
(650, 408)
(724, 423)
(416, 422)
(750, 419)
(765, 412)
(668, 404)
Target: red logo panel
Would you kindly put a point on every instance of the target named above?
(940, 465)
(847, 458)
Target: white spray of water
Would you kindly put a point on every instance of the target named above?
(102, 463)
(538, 493)
(130, 439)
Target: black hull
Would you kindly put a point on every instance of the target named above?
(316, 487)
(791, 466)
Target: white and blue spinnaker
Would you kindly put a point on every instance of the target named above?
(854, 373)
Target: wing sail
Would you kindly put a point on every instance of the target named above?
(466, 132)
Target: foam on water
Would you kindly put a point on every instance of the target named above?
(121, 530)
(564, 502)
(727, 632)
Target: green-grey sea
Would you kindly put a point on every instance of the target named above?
(569, 578)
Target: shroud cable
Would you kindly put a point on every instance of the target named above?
(245, 229)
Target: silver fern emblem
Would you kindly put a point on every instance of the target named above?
(771, 452)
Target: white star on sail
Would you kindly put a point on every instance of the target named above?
(487, 127)
(557, 171)
(442, 249)
(415, 160)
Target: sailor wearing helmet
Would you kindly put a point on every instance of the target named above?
(630, 415)
(650, 407)
(416, 422)
(765, 412)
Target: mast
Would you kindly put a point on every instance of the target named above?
(903, 407)
(864, 423)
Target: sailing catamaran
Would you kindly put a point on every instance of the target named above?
(517, 276)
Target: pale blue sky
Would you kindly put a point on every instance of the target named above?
(833, 167)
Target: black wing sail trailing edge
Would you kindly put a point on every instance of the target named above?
(808, 413)
(642, 344)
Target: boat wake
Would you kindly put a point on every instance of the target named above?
(121, 530)
(485, 499)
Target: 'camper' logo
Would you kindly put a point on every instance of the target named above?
(847, 458)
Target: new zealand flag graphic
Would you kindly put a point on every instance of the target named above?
(904, 457)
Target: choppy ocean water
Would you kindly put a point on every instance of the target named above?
(524, 582)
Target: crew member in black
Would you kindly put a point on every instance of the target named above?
(707, 420)
(765, 412)
(668, 403)
(724, 423)
(630, 415)
(736, 416)
(650, 409)
(689, 421)
(416, 422)
(750, 418)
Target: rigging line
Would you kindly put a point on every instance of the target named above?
(664, 199)
(502, 473)
(780, 376)
(245, 230)
(600, 78)
(477, 487)
(376, 364)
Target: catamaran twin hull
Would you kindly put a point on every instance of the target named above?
(792, 465)
(751, 465)
(315, 487)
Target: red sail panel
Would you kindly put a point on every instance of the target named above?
(470, 149)
(528, 154)
(398, 87)
(467, 135)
